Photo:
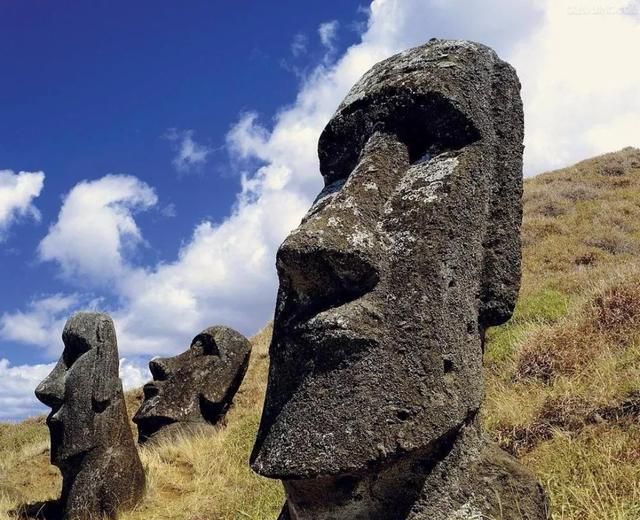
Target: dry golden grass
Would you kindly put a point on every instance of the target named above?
(563, 376)
(205, 476)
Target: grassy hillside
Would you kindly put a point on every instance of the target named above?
(563, 377)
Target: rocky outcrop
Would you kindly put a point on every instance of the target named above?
(91, 440)
(407, 256)
(194, 389)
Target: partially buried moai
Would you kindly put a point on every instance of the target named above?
(194, 389)
(387, 287)
(91, 438)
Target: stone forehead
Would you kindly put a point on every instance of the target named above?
(88, 326)
(224, 337)
(445, 66)
(439, 95)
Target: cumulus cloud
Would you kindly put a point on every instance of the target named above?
(579, 87)
(133, 374)
(190, 155)
(223, 274)
(96, 228)
(41, 323)
(17, 384)
(328, 32)
(17, 192)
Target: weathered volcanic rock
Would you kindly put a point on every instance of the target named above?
(91, 440)
(408, 254)
(194, 389)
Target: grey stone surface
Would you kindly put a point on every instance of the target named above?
(194, 389)
(91, 439)
(386, 289)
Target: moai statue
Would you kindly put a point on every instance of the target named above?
(387, 287)
(194, 389)
(91, 438)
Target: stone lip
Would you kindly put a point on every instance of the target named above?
(91, 440)
(195, 387)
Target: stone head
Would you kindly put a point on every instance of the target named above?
(81, 386)
(197, 386)
(408, 254)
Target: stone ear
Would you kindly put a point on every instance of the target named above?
(502, 251)
(106, 373)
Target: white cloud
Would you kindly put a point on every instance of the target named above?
(133, 375)
(299, 45)
(41, 324)
(96, 228)
(190, 155)
(223, 275)
(169, 210)
(17, 192)
(580, 88)
(17, 384)
(328, 32)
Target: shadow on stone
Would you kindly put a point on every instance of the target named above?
(47, 510)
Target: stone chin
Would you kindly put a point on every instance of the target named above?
(154, 415)
(56, 432)
(277, 455)
(335, 422)
(150, 425)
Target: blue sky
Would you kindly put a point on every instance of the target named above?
(95, 88)
(154, 154)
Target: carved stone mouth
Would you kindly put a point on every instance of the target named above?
(52, 419)
(150, 390)
(56, 429)
(149, 426)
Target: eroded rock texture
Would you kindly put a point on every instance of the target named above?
(194, 389)
(408, 254)
(91, 440)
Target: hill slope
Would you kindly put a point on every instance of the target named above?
(563, 376)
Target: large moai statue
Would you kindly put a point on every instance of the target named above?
(387, 287)
(91, 438)
(194, 389)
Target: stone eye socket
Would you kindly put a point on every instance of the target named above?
(74, 347)
(428, 124)
(205, 344)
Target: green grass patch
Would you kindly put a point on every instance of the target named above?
(545, 306)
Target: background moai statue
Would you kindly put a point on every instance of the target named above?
(408, 254)
(194, 389)
(91, 438)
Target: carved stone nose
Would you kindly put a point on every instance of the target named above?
(322, 276)
(51, 391)
(160, 368)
